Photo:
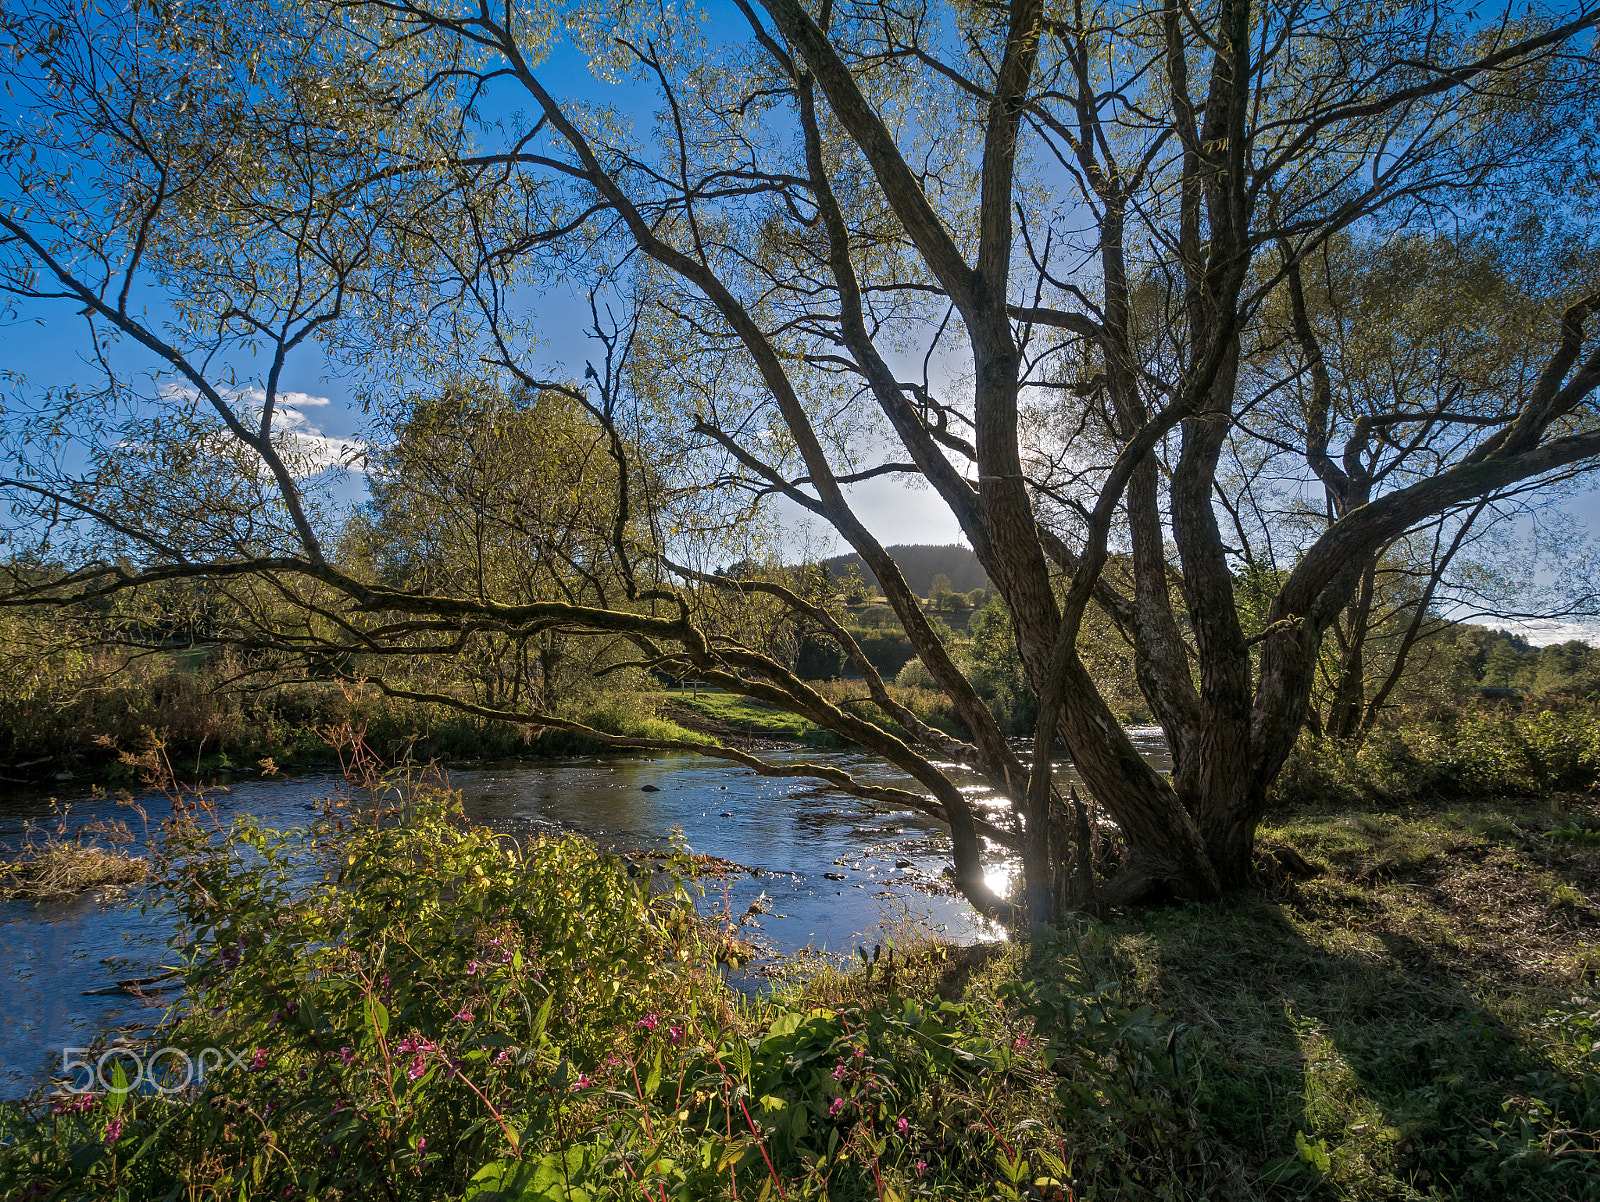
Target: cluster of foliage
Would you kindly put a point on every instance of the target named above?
(106, 718)
(1479, 753)
(921, 564)
(424, 1010)
(1498, 660)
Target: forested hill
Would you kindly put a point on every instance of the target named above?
(920, 564)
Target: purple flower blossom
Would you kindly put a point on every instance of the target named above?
(472, 968)
(648, 1022)
(675, 1034)
(838, 1073)
(259, 1060)
(922, 1167)
(419, 1065)
(902, 1126)
(503, 1055)
(113, 1131)
(835, 1107)
(463, 1016)
(346, 1055)
(584, 1081)
(422, 1144)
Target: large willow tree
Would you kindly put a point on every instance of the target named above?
(1018, 251)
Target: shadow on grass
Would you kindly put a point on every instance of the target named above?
(1352, 1056)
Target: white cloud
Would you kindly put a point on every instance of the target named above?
(1542, 632)
(306, 449)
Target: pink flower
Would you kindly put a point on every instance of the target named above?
(902, 1126)
(836, 1106)
(922, 1167)
(675, 1034)
(472, 968)
(113, 1131)
(1023, 1042)
(584, 1081)
(465, 1016)
(422, 1144)
(838, 1073)
(648, 1022)
(259, 1060)
(419, 1065)
(503, 1056)
(346, 1055)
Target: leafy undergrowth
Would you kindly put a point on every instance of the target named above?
(1420, 1021)
(413, 1008)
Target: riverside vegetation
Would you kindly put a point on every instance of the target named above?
(427, 1010)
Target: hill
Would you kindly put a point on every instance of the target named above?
(920, 564)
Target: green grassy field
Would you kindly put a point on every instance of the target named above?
(754, 718)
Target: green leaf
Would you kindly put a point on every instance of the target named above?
(542, 1019)
(786, 1023)
(653, 1081)
(740, 1055)
(377, 1016)
(118, 1093)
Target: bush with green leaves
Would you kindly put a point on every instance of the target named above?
(1478, 754)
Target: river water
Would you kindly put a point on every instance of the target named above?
(836, 872)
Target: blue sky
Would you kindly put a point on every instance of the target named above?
(46, 344)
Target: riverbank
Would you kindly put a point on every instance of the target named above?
(451, 1017)
(181, 729)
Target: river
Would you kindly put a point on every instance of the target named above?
(830, 869)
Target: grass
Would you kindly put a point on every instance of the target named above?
(56, 862)
(58, 871)
(1420, 1021)
(750, 716)
(636, 719)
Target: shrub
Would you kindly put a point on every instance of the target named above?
(1478, 754)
